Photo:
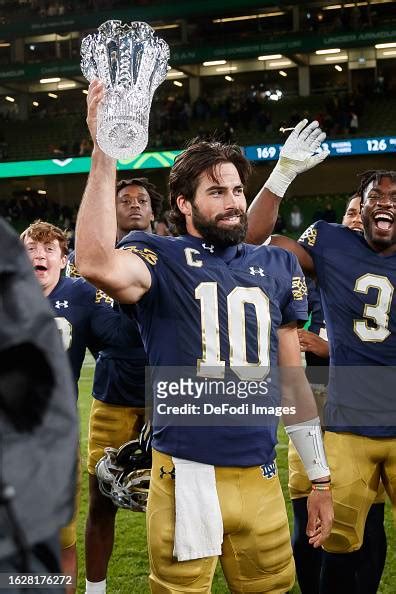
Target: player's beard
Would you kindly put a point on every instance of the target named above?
(220, 236)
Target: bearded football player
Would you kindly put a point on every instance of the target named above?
(182, 291)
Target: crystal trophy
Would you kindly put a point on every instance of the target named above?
(131, 62)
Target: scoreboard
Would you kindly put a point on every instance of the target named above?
(263, 152)
(338, 148)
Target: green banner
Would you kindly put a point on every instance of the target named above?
(82, 165)
(36, 71)
(286, 44)
(195, 55)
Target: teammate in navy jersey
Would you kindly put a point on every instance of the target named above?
(373, 552)
(207, 301)
(117, 412)
(84, 316)
(356, 274)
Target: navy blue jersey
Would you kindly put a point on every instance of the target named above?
(315, 309)
(120, 368)
(357, 289)
(211, 308)
(84, 317)
(317, 367)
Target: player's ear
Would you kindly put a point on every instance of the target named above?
(63, 262)
(184, 205)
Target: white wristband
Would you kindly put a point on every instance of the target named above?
(308, 441)
(280, 178)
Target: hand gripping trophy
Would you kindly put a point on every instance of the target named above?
(131, 62)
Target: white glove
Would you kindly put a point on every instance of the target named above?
(298, 154)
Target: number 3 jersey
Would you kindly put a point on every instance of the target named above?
(210, 308)
(359, 302)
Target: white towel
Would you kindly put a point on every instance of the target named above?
(198, 523)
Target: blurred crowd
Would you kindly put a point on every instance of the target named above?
(27, 206)
(244, 117)
(236, 117)
(52, 8)
(312, 19)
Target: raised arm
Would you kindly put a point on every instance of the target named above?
(298, 154)
(262, 216)
(122, 275)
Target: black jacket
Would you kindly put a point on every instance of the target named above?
(38, 417)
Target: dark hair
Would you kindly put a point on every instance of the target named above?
(350, 198)
(373, 175)
(156, 198)
(200, 156)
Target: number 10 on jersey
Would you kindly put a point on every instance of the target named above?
(211, 365)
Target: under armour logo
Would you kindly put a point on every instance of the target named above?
(208, 247)
(163, 472)
(60, 304)
(253, 271)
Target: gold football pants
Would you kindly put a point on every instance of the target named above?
(111, 425)
(256, 552)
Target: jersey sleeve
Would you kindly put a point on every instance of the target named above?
(314, 238)
(296, 303)
(147, 247)
(105, 325)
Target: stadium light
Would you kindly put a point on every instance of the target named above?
(338, 67)
(270, 57)
(44, 81)
(335, 50)
(226, 68)
(170, 26)
(248, 17)
(215, 63)
(43, 192)
(67, 85)
(229, 78)
(5, 44)
(336, 58)
(280, 64)
(85, 91)
(10, 99)
(35, 104)
(52, 95)
(174, 74)
(177, 83)
(389, 53)
(282, 73)
(385, 45)
(352, 4)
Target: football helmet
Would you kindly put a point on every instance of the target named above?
(124, 475)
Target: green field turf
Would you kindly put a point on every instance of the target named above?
(129, 566)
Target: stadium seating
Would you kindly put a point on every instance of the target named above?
(62, 134)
